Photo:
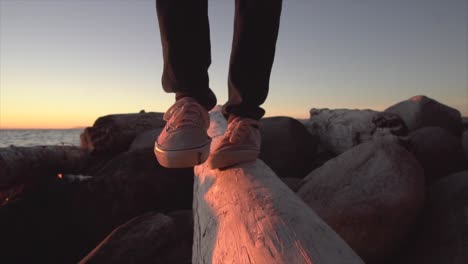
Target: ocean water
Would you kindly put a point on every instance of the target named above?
(37, 137)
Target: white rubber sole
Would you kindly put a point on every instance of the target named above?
(224, 159)
(182, 158)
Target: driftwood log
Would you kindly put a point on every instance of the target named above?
(112, 134)
(24, 164)
(245, 214)
(28, 167)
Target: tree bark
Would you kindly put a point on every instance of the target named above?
(113, 134)
(22, 164)
(245, 214)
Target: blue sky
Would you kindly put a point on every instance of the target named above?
(63, 63)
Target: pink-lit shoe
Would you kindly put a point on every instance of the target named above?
(240, 143)
(184, 141)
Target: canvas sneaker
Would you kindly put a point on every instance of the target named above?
(240, 143)
(184, 141)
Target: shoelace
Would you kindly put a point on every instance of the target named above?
(186, 115)
(240, 129)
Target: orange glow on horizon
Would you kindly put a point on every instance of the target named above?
(43, 124)
(40, 117)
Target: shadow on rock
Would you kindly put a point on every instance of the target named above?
(127, 186)
(150, 238)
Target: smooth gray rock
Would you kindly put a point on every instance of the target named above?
(441, 235)
(113, 134)
(286, 147)
(439, 152)
(150, 238)
(127, 186)
(465, 143)
(422, 111)
(145, 140)
(292, 183)
(341, 129)
(370, 195)
(465, 123)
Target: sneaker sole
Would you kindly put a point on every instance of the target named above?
(226, 159)
(182, 158)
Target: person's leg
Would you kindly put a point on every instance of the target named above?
(256, 27)
(185, 37)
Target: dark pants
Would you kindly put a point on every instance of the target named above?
(185, 37)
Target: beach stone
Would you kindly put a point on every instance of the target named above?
(465, 143)
(441, 235)
(150, 238)
(129, 185)
(145, 140)
(422, 111)
(286, 146)
(113, 134)
(465, 123)
(439, 152)
(341, 129)
(370, 195)
(292, 183)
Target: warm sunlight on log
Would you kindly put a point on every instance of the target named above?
(245, 214)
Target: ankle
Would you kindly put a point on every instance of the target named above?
(254, 123)
(179, 96)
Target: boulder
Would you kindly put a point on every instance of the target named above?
(465, 123)
(61, 221)
(442, 232)
(292, 183)
(439, 152)
(465, 143)
(113, 134)
(150, 238)
(127, 186)
(370, 195)
(422, 111)
(145, 139)
(341, 129)
(286, 146)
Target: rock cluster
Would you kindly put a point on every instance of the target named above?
(370, 195)
(441, 235)
(392, 184)
(149, 238)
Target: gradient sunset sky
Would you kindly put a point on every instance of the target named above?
(63, 63)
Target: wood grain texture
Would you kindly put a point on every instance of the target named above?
(245, 214)
(113, 134)
(19, 165)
